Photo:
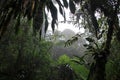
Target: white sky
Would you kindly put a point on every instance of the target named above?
(63, 26)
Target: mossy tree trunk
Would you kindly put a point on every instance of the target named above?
(97, 71)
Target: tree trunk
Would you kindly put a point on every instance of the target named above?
(97, 71)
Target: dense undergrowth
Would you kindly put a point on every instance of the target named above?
(26, 57)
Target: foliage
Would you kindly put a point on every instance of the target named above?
(36, 9)
(72, 40)
(64, 59)
(112, 67)
(110, 9)
(87, 11)
(80, 70)
(23, 56)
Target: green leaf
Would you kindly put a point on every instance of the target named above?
(79, 60)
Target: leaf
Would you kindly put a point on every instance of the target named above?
(90, 39)
(97, 46)
(68, 42)
(90, 47)
(59, 3)
(80, 60)
(100, 35)
(72, 6)
(53, 10)
(17, 24)
(72, 40)
(85, 45)
(6, 23)
(76, 1)
(95, 23)
(75, 39)
(61, 10)
(76, 61)
(65, 3)
(46, 23)
(53, 25)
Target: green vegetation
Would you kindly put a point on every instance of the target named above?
(80, 70)
(25, 53)
(23, 56)
(112, 67)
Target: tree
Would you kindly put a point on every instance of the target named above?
(109, 9)
(108, 22)
(23, 56)
(112, 66)
(14, 9)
